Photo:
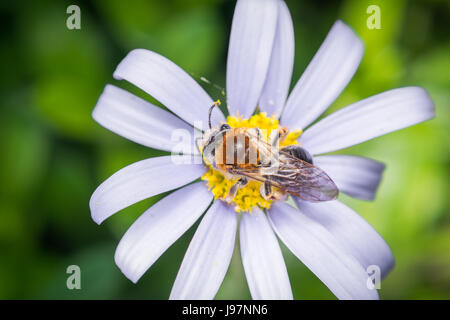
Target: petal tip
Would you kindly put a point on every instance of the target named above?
(119, 259)
(343, 27)
(132, 54)
(98, 219)
(425, 96)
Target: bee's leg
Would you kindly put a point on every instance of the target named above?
(278, 136)
(271, 167)
(274, 138)
(270, 193)
(298, 152)
(266, 190)
(242, 182)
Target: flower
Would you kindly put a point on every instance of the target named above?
(333, 241)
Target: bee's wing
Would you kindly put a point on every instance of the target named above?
(299, 179)
(294, 176)
(304, 180)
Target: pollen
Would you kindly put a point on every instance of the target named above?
(247, 197)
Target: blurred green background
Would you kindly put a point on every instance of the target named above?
(54, 155)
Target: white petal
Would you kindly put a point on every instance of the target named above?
(352, 232)
(319, 251)
(264, 266)
(329, 72)
(358, 177)
(369, 118)
(250, 48)
(140, 181)
(169, 84)
(207, 259)
(276, 87)
(159, 227)
(140, 121)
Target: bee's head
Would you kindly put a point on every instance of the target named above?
(210, 140)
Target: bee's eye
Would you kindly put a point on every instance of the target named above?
(224, 127)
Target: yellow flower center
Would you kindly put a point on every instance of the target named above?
(249, 196)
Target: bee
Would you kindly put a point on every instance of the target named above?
(243, 154)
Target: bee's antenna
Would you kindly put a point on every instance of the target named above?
(203, 79)
(215, 86)
(215, 104)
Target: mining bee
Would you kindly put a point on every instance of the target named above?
(243, 154)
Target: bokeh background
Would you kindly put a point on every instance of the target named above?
(53, 155)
